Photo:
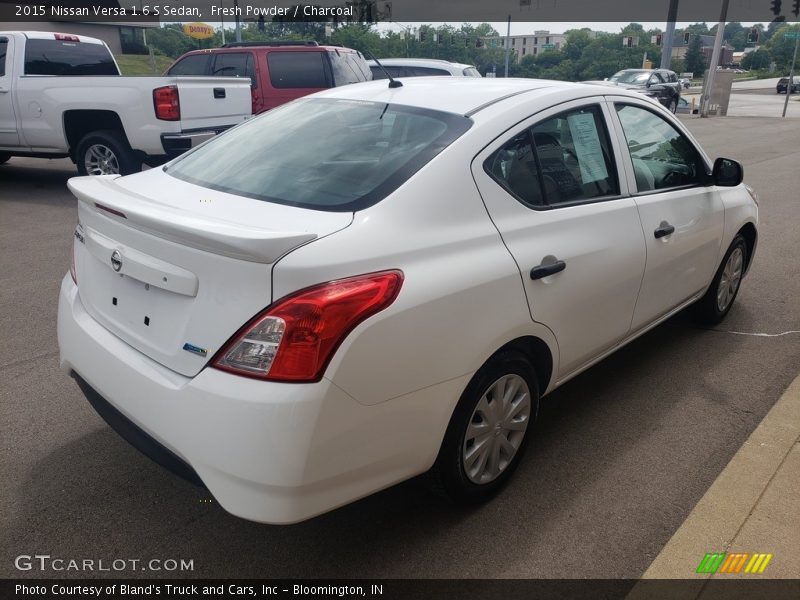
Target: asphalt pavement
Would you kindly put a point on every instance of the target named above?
(621, 455)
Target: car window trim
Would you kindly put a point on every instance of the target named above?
(619, 100)
(594, 101)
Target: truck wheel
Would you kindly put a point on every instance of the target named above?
(105, 153)
(4, 157)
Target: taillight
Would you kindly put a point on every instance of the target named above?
(167, 103)
(295, 338)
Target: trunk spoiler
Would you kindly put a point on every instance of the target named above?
(226, 238)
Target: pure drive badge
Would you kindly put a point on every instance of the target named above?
(195, 349)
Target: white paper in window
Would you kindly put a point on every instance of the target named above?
(587, 147)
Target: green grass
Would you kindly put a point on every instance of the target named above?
(133, 64)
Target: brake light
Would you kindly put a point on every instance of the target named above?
(295, 338)
(64, 37)
(167, 103)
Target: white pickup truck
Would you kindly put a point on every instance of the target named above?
(63, 95)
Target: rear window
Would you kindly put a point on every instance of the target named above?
(297, 70)
(369, 150)
(194, 64)
(3, 51)
(344, 71)
(230, 64)
(56, 57)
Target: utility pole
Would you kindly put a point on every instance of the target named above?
(238, 25)
(222, 22)
(708, 86)
(791, 72)
(666, 44)
(508, 43)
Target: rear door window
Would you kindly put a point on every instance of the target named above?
(3, 51)
(194, 64)
(239, 64)
(297, 70)
(60, 57)
(343, 71)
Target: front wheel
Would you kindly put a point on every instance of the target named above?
(105, 153)
(488, 431)
(719, 298)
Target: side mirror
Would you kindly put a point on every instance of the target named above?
(727, 172)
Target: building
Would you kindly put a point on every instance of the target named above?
(528, 44)
(682, 41)
(122, 38)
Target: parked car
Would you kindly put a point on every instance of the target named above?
(660, 84)
(333, 318)
(278, 71)
(420, 67)
(63, 95)
(685, 83)
(783, 83)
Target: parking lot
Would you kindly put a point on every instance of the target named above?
(620, 457)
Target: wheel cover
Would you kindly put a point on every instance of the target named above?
(730, 280)
(496, 430)
(100, 160)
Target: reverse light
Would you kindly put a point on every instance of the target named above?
(295, 338)
(167, 103)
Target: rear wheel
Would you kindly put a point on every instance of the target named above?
(105, 153)
(489, 430)
(719, 298)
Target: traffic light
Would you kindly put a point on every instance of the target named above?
(775, 7)
(754, 34)
(422, 35)
(687, 34)
(658, 39)
(478, 43)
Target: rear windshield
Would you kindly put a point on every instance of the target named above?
(324, 154)
(57, 57)
(297, 70)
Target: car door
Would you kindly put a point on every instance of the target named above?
(9, 137)
(552, 187)
(682, 217)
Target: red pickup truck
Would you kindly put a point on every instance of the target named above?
(278, 71)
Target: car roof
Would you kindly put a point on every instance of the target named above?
(419, 62)
(459, 95)
(282, 48)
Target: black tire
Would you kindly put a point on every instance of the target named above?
(122, 159)
(707, 309)
(449, 475)
(4, 157)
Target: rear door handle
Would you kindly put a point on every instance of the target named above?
(219, 92)
(663, 229)
(549, 269)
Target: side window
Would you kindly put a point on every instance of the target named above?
(426, 71)
(232, 65)
(343, 72)
(564, 159)
(656, 78)
(662, 157)
(297, 70)
(3, 52)
(194, 64)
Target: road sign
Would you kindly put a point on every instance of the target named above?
(547, 46)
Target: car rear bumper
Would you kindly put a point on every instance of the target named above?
(268, 452)
(176, 144)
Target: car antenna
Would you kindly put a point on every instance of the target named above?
(393, 83)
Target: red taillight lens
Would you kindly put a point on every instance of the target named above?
(167, 103)
(294, 339)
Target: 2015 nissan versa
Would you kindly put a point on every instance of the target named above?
(378, 281)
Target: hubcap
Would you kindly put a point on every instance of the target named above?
(101, 160)
(731, 277)
(496, 429)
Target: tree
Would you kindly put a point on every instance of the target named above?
(695, 60)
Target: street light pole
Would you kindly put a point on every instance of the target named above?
(238, 25)
(708, 87)
(666, 44)
(791, 72)
(508, 44)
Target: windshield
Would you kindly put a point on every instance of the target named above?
(325, 154)
(639, 77)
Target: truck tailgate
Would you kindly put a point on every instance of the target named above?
(213, 101)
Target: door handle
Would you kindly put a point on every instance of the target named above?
(664, 229)
(219, 92)
(549, 269)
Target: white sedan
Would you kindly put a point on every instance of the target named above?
(374, 282)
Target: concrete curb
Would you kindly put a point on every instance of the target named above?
(753, 506)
